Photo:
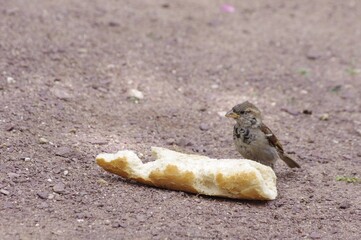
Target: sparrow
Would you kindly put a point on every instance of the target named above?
(253, 139)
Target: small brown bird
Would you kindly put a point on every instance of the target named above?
(253, 139)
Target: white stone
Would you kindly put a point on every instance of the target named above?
(136, 94)
(10, 80)
(221, 114)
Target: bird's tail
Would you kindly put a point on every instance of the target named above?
(289, 161)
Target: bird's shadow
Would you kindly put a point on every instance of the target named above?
(289, 174)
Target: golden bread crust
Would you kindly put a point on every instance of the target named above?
(232, 178)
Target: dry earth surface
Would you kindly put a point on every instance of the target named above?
(65, 71)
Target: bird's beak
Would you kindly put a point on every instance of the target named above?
(232, 114)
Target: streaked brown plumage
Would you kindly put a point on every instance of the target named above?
(253, 139)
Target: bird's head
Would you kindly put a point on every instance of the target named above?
(246, 114)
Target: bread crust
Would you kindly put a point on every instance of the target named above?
(232, 178)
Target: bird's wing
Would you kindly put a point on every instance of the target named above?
(272, 139)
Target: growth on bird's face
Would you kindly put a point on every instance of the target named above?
(246, 114)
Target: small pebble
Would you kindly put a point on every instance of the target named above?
(204, 127)
(58, 197)
(102, 181)
(117, 225)
(43, 140)
(83, 193)
(221, 114)
(72, 131)
(344, 205)
(10, 80)
(5, 192)
(290, 111)
(51, 196)
(324, 117)
(59, 188)
(307, 112)
(43, 195)
(9, 127)
(82, 50)
(62, 94)
(134, 93)
(66, 172)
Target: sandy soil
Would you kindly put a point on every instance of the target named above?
(66, 69)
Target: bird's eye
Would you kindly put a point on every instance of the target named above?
(241, 112)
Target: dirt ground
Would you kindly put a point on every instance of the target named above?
(66, 68)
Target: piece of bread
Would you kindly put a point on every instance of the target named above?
(233, 178)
